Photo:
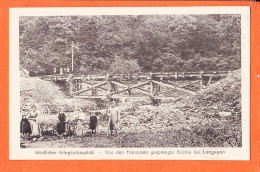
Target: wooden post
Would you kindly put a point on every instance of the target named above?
(156, 90)
(159, 101)
(69, 84)
(80, 84)
(108, 85)
(152, 89)
(94, 91)
(61, 71)
(76, 85)
(68, 70)
(201, 79)
(55, 70)
(129, 92)
(71, 87)
(209, 81)
(111, 87)
(72, 56)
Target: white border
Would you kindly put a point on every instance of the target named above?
(16, 153)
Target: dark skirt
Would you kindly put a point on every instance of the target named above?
(61, 127)
(25, 127)
(93, 123)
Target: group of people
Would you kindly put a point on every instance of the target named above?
(29, 126)
(76, 124)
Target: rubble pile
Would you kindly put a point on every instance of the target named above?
(146, 118)
(222, 96)
(48, 95)
(149, 118)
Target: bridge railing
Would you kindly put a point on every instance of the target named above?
(63, 72)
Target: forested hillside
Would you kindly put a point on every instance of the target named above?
(122, 44)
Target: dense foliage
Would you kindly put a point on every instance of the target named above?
(124, 44)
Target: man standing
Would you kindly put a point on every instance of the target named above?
(113, 118)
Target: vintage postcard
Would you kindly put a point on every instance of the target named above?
(130, 83)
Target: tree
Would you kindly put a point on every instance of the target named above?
(149, 43)
(121, 65)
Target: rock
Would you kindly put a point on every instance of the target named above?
(224, 114)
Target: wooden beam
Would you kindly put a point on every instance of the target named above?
(124, 96)
(160, 93)
(84, 90)
(209, 81)
(163, 92)
(143, 91)
(130, 96)
(120, 84)
(172, 75)
(165, 98)
(96, 87)
(166, 82)
(113, 96)
(90, 97)
(126, 86)
(189, 84)
(173, 87)
(130, 87)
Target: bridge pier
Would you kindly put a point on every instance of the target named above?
(77, 84)
(204, 80)
(155, 89)
(112, 88)
(74, 85)
(93, 91)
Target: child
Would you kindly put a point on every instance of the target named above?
(25, 127)
(79, 130)
(70, 125)
(93, 122)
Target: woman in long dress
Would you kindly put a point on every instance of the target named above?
(33, 122)
(79, 129)
(62, 122)
(25, 127)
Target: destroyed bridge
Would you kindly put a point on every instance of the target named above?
(156, 86)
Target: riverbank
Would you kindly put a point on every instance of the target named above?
(48, 96)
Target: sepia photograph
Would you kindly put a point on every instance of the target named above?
(131, 81)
